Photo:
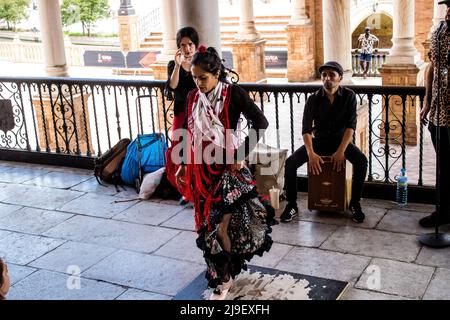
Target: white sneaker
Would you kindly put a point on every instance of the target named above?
(220, 293)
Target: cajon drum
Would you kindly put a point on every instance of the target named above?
(330, 190)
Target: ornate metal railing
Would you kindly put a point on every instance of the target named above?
(82, 118)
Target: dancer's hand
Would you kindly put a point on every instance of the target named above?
(180, 175)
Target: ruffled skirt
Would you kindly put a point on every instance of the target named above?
(248, 229)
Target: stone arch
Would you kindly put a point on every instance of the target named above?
(381, 24)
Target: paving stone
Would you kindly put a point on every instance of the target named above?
(373, 243)
(33, 221)
(302, 233)
(6, 209)
(418, 207)
(173, 203)
(135, 294)
(10, 190)
(81, 255)
(402, 221)
(4, 168)
(357, 294)
(42, 197)
(25, 165)
(273, 257)
(146, 212)
(117, 234)
(379, 203)
(147, 272)
(127, 193)
(183, 220)
(3, 234)
(97, 205)
(434, 257)
(17, 272)
(48, 285)
(397, 278)
(67, 169)
(373, 216)
(324, 264)
(182, 247)
(61, 180)
(23, 248)
(439, 288)
(91, 185)
(20, 175)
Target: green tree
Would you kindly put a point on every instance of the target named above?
(86, 11)
(13, 11)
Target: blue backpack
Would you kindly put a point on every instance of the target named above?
(144, 155)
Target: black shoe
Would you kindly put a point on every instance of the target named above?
(289, 213)
(430, 221)
(357, 215)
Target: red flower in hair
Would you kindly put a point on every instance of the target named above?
(201, 49)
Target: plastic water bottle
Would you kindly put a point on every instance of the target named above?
(402, 188)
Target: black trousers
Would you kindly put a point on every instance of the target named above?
(325, 148)
(444, 167)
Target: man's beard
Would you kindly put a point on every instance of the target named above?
(328, 85)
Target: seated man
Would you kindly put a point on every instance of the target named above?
(329, 120)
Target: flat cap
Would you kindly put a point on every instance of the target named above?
(333, 65)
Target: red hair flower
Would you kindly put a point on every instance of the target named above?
(201, 49)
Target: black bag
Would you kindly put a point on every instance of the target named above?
(165, 190)
(107, 167)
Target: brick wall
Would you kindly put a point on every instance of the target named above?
(423, 22)
(314, 9)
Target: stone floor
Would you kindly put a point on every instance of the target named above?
(64, 236)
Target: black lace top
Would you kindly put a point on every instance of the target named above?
(180, 93)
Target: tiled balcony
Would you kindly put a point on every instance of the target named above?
(55, 221)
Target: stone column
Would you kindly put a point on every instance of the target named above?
(63, 129)
(169, 26)
(169, 33)
(52, 38)
(403, 50)
(128, 27)
(248, 47)
(401, 69)
(300, 34)
(337, 35)
(203, 15)
(438, 15)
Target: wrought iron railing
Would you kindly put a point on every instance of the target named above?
(85, 117)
